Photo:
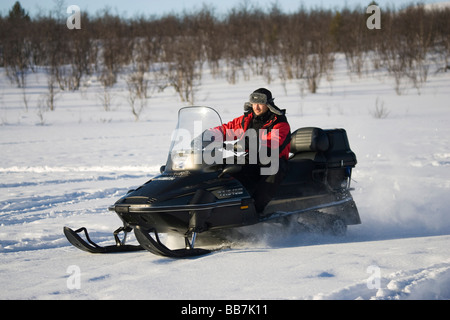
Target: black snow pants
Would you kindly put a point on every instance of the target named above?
(262, 187)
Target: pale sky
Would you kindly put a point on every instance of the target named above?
(130, 8)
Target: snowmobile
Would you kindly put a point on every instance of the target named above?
(192, 196)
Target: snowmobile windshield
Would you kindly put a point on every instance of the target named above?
(195, 141)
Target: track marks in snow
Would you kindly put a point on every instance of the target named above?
(35, 202)
(431, 283)
(31, 193)
(65, 169)
(30, 209)
(441, 159)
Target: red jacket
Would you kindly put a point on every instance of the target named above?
(276, 127)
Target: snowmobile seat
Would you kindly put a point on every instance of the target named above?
(307, 160)
(309, 144)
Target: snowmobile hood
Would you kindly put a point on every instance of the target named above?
(186, 191)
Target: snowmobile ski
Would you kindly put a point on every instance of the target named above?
(92, 247)
(155, 246)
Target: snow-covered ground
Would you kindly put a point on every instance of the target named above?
(69, 170)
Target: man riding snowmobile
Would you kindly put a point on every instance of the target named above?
(196, 191)
(273, 132)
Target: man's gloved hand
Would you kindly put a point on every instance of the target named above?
(239, 146)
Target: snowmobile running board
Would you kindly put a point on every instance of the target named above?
(92, 247)
(281, 214)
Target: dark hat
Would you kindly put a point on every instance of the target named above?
(264, 96)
